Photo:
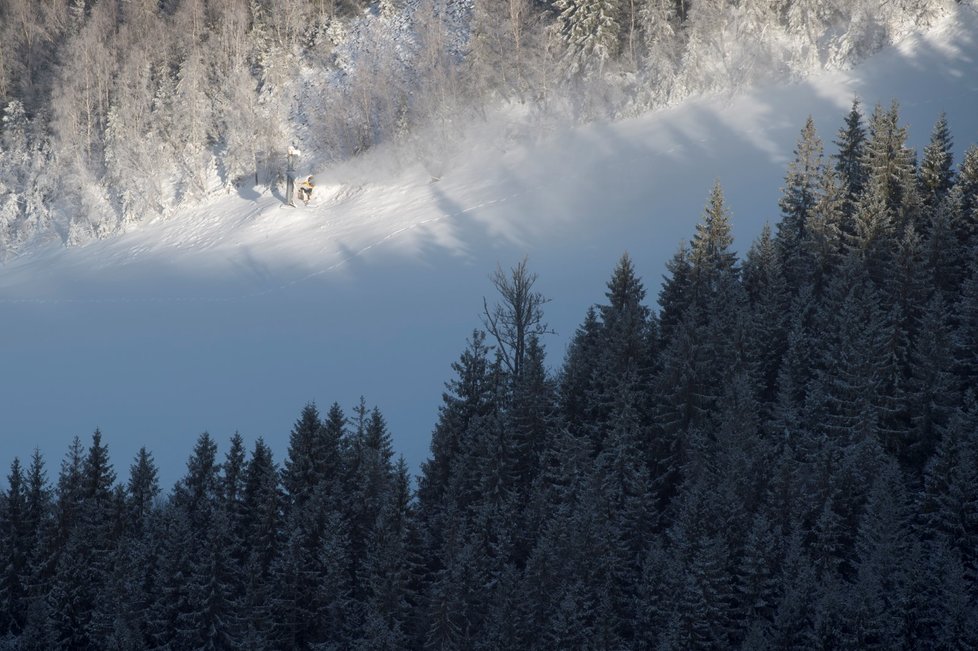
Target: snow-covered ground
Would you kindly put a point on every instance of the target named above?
(234, 315)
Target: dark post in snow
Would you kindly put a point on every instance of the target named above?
(290, 176)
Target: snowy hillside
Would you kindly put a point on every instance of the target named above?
(234, 315)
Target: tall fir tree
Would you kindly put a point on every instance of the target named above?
(799, 197)
(966, 189)
(936, 173)
(16, 544)
(851, 143)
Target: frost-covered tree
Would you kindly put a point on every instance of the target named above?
(936, 174)
(799, 197)
(660, 27)
(851, 143)
(588, 32)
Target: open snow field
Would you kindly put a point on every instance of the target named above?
(234, 315)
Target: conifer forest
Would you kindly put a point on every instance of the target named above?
(780, 453)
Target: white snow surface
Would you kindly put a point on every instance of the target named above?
(231, 316)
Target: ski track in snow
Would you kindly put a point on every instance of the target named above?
(138, 250)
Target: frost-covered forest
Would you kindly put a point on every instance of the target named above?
(783, 454)
(118, 111)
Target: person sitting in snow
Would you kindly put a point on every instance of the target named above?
(305, 190)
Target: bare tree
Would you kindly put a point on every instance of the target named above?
(517, 317)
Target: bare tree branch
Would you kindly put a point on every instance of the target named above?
(518, 315)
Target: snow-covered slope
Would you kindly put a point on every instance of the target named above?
(232, 316)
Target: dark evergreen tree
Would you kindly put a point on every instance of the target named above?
(768, 297)
(197, 494)
(673, 297)
(794, 617)
(799, 197)
(944, 253)
(965, 333)
(701, 614)
(577, 377)
(706, 348)
(127, 608)
(874, 602)
(713, 264)
(936, 174)
(15, 546)
(949, 501)
(931, 393)
(628, 332)
(208, 621)
(957, 626)
(143, 489)
(624, 485)
(230, 563)
(921, 608)
(301, 473)
(171, 607)
(851, 141)
(623, 355)
(262, 526)
(966, 190)
(390, 568)
(370, 477)
(757, 588)
(891, 169)
(42, 534)
(849, 392)
(531, 416)
(797, 367)
(84, 551)
(470, 395)
(825, 233)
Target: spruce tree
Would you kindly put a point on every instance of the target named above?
(966, 189)
(389, 568)
(891, 170)
(965, 333)
(713, 263)
(851, 143)
(624, 352)
(881, 551)
(142, 489)
(674, 295)
(799, 197)
(825, 241)
(945, 256)
(471, 396)
(936, 173)
(531, 416)
(300, 475)
(263, 526)
(16, 544)
(577, 379)
(768, 297)
(931, 392)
